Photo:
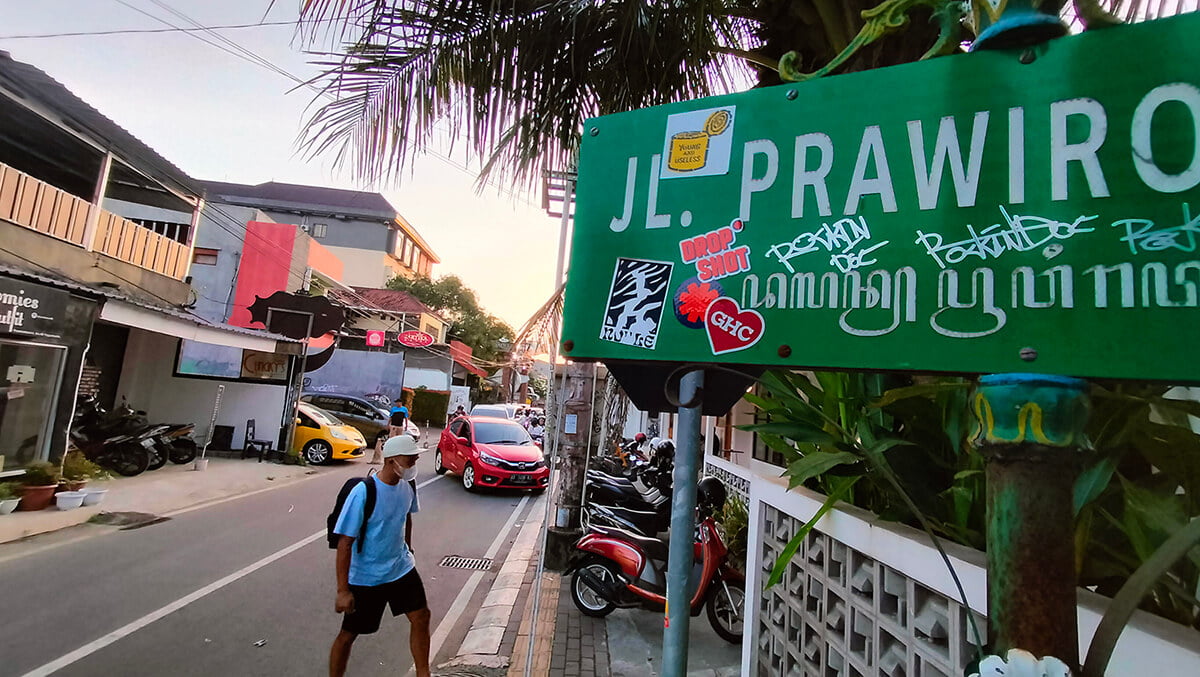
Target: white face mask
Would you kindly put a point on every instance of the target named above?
(410, 474)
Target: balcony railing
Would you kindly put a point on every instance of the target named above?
(39, 206)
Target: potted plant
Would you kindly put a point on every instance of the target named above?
(38, 485)
(9, 498)
(77, 470)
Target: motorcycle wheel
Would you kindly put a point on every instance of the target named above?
(183, 450)
(726, 606)
(158, 456)
(128, 459)
(587, 600)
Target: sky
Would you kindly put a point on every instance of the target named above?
(222, 118)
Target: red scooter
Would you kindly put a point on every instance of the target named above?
(617, 568)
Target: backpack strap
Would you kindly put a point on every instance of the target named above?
(368, 509)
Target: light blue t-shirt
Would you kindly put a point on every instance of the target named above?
(385, 556)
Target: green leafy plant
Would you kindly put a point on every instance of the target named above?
(76, 467)
(40, 474)
(8, 490)
(734, 521)
(849, 435)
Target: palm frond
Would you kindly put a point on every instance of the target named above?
(515, 79)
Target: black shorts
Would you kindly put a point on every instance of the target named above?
(405, 594)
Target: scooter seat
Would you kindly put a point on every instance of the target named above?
(654, 548)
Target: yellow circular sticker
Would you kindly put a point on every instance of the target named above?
(717, 122)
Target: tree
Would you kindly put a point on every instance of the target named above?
(518, 78)
(457, 303)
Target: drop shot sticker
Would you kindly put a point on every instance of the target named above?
(714, 253)
(730, 328)
(635, 302)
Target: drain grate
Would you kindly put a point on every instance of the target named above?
(473, 563)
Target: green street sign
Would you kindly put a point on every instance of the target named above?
(968, 214)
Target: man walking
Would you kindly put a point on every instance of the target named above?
(382, 572)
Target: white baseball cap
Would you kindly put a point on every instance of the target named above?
(400, 445)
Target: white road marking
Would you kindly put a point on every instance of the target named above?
(459, 606)
(126, 630)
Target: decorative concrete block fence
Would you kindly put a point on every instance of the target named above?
(864, 597)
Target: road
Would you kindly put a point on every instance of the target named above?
(194, 594)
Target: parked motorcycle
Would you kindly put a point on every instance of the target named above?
(119, 441)
(617, 568)
(627, 459)
(173, 442)
(641, 522)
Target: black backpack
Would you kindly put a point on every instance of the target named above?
(368, 508)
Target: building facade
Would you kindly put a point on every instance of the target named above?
(96, 239)
(363, 230)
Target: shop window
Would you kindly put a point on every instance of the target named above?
(205, 257)
(30, 375)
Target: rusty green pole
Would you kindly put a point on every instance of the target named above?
(1029, 429)
(1004, 24)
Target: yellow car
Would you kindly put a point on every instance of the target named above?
(321, 437)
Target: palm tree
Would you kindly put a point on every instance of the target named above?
(515, 79)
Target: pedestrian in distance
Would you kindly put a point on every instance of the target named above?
(380, 572)
(399, 417)
(537, 429)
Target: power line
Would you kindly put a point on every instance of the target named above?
(134, 31)
(244, 54)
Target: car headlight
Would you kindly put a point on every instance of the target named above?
(339, 434)
(490, 460)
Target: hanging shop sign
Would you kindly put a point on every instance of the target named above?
(966, 214)
(264, 366)
(414, 339)
(28, 309)
(375, 338)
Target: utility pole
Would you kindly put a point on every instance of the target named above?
(573, 453)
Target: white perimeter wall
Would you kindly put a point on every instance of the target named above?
(148, 383)
(430, 378)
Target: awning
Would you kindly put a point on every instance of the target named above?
(138, 317)
(461, 354)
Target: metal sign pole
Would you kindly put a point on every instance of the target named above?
(683, 524)
(296, 390)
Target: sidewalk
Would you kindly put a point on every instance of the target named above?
(159, 492)
(566, 643)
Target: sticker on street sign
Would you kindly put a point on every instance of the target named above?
(635, 302)
(415, 339)
(966, 214)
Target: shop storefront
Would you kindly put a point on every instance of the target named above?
(44, 332)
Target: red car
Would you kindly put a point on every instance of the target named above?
(491, 452)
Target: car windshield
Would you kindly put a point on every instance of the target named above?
(498, 412)
(323, 417)
(495, 432)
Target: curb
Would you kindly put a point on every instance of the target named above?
(482, 645)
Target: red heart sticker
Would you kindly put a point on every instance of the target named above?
(730, 328)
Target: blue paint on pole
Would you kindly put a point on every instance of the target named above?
(683, 525)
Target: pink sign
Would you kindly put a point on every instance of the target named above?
(415, 339)
(375, 339)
